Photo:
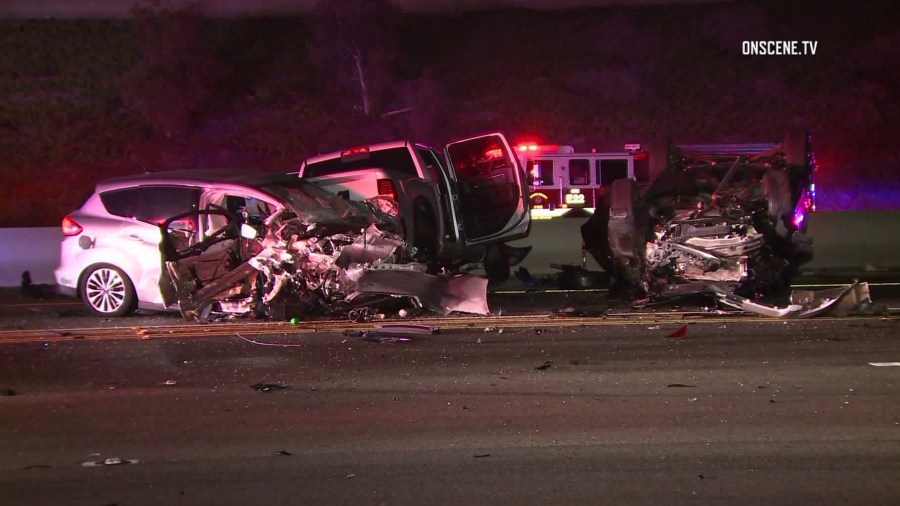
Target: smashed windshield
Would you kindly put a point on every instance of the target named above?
(313, 204)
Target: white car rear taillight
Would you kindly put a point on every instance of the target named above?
(70, 227)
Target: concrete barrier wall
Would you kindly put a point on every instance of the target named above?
(843, 240)
(29, 249)
(855, 239)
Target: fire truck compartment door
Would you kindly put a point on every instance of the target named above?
(493, 191)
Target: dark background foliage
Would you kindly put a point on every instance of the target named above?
(86, 99)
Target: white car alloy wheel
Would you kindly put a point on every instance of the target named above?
(107, 291)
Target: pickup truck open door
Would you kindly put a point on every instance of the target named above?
(492, 191)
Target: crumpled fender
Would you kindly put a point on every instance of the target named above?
(441, 294)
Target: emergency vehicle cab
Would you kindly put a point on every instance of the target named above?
(561, 179)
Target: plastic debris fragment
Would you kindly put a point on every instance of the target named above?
(678, 333)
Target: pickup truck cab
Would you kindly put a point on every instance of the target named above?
(456, 206)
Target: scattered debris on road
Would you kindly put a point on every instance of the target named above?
(885, 364)
(546, 365)
(680, 385)
(678, 333)
(392, 332)
(283, 453)
(9, 392)
(112, 461)
(260, 343)
(407, 328)
(850, 299)
(36, 467)
(268, 387)
(582, 310)
(375, 336)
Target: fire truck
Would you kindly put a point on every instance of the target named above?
(561, 179)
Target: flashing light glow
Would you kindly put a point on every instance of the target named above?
(531, 146)
(494, 153)
(355, 150)
(805, 205)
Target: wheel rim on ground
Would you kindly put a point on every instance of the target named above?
(105, 290)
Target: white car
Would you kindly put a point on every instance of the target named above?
(110, 253)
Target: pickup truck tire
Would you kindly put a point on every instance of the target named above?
(425, 230)
(496, 264)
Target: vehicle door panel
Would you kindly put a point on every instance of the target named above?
(492, 189)
(189, 261)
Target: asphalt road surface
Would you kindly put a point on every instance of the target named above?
(560, 411)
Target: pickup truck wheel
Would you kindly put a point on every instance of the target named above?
(496, 264)
(425, 229)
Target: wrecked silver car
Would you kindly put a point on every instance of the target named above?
(731, 215)
(276, 246)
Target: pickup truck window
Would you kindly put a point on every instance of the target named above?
(151, 204)
(579, 171)
(541, 171)
(394, 159)
(432, 164)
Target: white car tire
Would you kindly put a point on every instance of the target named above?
(107, 291)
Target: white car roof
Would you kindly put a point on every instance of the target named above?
(192, 177)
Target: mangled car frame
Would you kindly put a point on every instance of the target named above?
(274, 242)
(265, 243)
(728, 216)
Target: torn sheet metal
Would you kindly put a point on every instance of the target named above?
(407, 328)
(327, 267)
(725, 215)
(442, 294)
(373, 245)
(804, 303)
